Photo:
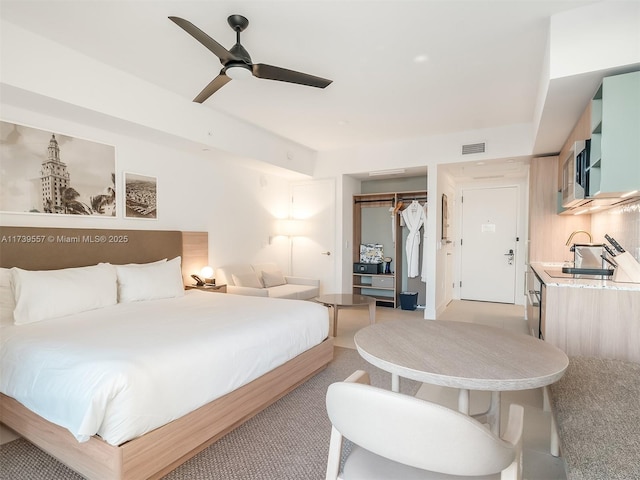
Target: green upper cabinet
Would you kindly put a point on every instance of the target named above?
(615, 137)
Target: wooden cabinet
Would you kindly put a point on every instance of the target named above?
(548, 231)
(592, 322)
(586, 318)
(381, 286)
(384, 287)
(615, 137)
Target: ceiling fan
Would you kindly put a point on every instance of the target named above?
(237, 63)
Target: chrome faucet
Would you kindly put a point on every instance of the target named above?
(576, 232)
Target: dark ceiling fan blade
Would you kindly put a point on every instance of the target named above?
(215, 85)
(218, 50)
(270, 72)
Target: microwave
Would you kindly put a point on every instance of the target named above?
(575, 175)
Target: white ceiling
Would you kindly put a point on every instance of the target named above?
(482, 67)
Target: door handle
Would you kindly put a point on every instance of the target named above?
(510, 255)
(325, 253)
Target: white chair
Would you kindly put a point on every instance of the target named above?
(398, 436)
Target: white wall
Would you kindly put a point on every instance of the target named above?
(446, 250)
(44, 68)
(158, 133)
(347, 188)
(204, 191)
(506, 142)
(595, 37)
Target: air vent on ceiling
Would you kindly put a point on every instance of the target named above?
(473, 148)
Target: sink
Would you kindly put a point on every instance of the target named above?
(587, 271)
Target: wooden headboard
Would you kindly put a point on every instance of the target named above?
(45, 248)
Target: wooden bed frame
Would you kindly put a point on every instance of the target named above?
(156, 453)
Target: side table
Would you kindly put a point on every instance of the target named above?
(208, 288)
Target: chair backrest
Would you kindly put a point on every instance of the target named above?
(224, 274)
(415, 432)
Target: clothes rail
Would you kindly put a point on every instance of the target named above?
(413, 198)
(372, 200)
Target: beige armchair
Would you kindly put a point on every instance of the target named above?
(266, 280)
(397, 436)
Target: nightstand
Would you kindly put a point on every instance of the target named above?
(208, 288)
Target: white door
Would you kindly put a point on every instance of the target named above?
(489, 232)
(313, 253)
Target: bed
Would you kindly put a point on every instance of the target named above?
(144, 428)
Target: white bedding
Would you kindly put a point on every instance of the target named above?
(124, 370)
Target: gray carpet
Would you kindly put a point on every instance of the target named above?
(597, 408)
(288, 440)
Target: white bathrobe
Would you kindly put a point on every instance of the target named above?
(414, 218)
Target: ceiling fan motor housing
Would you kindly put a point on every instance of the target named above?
(237, 62)
(238, 22)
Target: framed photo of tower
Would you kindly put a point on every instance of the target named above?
(140, 196)
(47, 172)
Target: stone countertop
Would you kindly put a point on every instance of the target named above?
(590, 282)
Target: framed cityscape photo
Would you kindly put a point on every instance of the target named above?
(51, 173)
(141, 194)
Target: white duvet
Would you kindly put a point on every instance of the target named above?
(124, 370)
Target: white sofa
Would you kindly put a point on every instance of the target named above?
(265, 280)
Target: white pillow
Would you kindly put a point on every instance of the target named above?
(7, 301)
(246, 280)
(45, 294)
(150, 281)
(273, 278)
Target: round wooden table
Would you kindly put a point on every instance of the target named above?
(346, 300)
(461, 355)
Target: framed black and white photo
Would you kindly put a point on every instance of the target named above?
(141, 195)
(48, 172)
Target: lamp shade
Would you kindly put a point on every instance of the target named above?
(290, 227)
(207, 272)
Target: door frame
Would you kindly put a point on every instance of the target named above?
(331, 284)
(522, 186)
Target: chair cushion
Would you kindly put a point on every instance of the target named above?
(273, 279)
(299, 292)
(247, 280)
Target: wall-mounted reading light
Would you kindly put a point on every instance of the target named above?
(290, 228)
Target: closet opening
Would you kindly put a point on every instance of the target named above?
(388, 240)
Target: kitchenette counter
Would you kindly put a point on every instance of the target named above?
(586, 315)
(551, 275)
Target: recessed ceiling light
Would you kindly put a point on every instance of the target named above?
(420, 58)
